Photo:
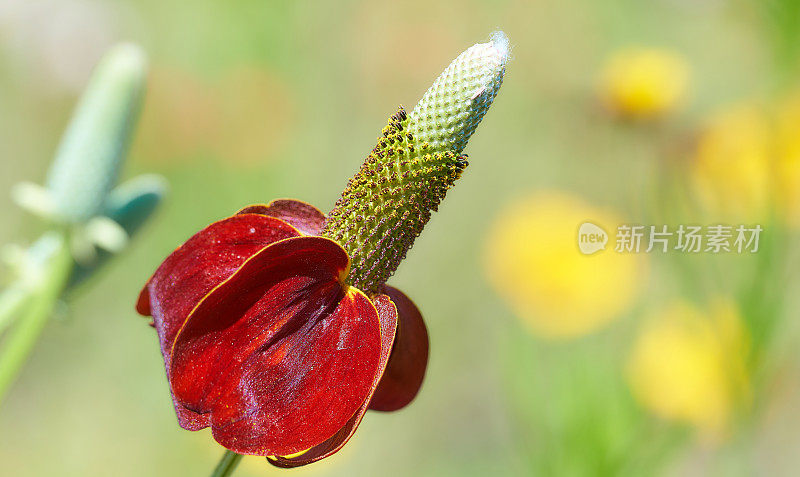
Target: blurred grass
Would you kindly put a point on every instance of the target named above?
(94, 400)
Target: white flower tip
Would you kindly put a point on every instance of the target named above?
(501, 43)
(454, 105)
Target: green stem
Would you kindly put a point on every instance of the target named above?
(227, 464)
(42, 298)
(12, 301)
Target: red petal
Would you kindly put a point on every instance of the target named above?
(388, 316)
(281, 354)
(194, 269)
(303, 216)
(404, 374)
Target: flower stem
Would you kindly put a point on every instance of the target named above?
(227, 464)
(12, 302)
(28, 326)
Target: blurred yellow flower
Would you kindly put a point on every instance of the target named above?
(688, 365)
(533, 261)
(787, 167)
(644, 83)
(732, 167)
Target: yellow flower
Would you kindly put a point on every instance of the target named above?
(644, 83)
(533, 262)
(688, 365)
(787, 167)
(732, 168)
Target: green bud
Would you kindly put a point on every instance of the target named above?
(133, 202)
(92, 150)
(130, 205)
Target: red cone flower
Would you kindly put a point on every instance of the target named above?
(265, 342)
(276, 325)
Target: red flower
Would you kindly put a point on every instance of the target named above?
(264, 341)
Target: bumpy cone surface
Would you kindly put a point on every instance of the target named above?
(417, 159)
(452, 108)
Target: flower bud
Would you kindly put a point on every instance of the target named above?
(94, 145)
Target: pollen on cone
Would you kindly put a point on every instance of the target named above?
(418, 157)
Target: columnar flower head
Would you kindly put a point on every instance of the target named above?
(276, 325)
(452, 108)
(417, 159)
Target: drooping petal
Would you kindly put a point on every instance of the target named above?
(202, 263)
(303, 216)
(194, 269)
(281, 355)
(388, 318)
(409, 359)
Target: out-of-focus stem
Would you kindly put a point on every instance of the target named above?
(12, 301)
(25, 332)
(227, 464)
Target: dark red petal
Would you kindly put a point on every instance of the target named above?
(281, 354)
(409, 359)
(388, 316)
(194, 269)
(303, 216)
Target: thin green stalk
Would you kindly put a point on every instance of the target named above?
(12, 301)
(227, 464)
(763, 298)
(23, 336)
